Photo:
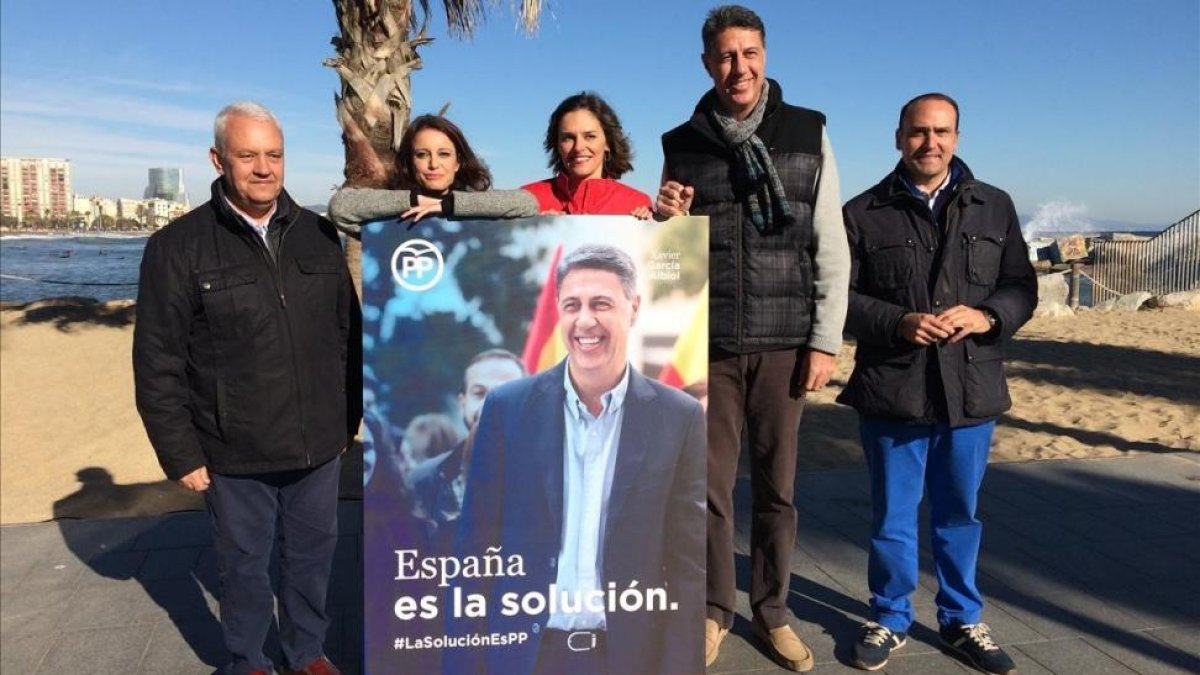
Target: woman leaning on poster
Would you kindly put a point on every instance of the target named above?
(439, 174)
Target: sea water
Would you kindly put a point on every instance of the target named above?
(104, 267)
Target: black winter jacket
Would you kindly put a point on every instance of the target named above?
(242, 363)
(902, 261)
(761, 292)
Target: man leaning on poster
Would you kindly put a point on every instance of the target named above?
(594, 475)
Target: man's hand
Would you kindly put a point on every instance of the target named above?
(925, 329)
(674, 199)
(964, 321)
(818, 368)
(196, 481)
(642, 213)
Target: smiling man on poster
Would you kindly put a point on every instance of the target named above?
(594, 475)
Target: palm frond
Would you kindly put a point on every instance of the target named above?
(464, 16)
(531, 15)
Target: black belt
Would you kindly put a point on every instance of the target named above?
(574, 640)
(579, 652)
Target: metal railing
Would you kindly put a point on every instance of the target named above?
(1167, 263)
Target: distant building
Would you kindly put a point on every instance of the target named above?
(35, 188)
(177, 210)
(159, 212)
(92, 210)
(81, 212)
(166, 183)
(106, 206)
(131, 209)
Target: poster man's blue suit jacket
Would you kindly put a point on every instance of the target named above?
(654, 534)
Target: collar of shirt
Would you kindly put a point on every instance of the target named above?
(610, 401)
(930, 198)
(258, 225)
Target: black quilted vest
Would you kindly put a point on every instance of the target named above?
(760, 283)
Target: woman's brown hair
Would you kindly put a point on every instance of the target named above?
(472, 175)
(619, 158)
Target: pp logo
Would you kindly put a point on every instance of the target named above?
(417, 265)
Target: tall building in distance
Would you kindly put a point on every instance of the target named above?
(35, 188)
(166, 183)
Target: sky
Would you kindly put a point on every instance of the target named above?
(1081, 110)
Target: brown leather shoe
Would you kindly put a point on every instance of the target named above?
(785, 647)
(713, 635)
(322, 666)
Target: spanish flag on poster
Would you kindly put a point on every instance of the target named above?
(544, 347)
(689, 359)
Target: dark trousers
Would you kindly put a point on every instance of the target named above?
(244, 510)
(752, 392)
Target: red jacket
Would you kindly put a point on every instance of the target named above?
(595, 196)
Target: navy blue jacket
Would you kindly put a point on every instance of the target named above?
(654, 533)
(903, 260)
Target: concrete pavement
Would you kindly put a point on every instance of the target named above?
(1089, 567)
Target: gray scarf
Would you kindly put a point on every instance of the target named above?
(766, 199)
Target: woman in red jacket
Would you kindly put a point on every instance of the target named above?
(588, 151)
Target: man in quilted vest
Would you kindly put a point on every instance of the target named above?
(764, 173)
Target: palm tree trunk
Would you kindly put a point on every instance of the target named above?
(375, 57)
(376, 54)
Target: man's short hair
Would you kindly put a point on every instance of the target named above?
(497, 354)
(730, 16)
(600, 257)
(931, 96)
(244, 109)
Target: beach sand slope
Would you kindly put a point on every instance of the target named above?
(1089, 385)
(72, 445)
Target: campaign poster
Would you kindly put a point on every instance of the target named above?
(535, 460)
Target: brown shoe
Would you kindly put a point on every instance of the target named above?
(713, 634)
(785, 647)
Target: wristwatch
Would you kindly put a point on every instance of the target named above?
(991, 318)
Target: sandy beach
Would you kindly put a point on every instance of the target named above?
(1090, 385)
(71, 443)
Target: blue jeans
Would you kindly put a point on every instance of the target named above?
(244, 510)
(905, 460)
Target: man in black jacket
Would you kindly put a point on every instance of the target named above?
(764, 173)
(247, 387)
(940, 281)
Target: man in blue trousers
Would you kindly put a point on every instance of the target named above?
(247, 383)
(940, 280)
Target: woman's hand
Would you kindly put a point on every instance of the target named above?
(642, 213)
(425, 206)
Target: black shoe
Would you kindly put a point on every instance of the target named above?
(974, 642)
(875, 644)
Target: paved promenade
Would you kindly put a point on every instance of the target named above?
(1089, 567)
